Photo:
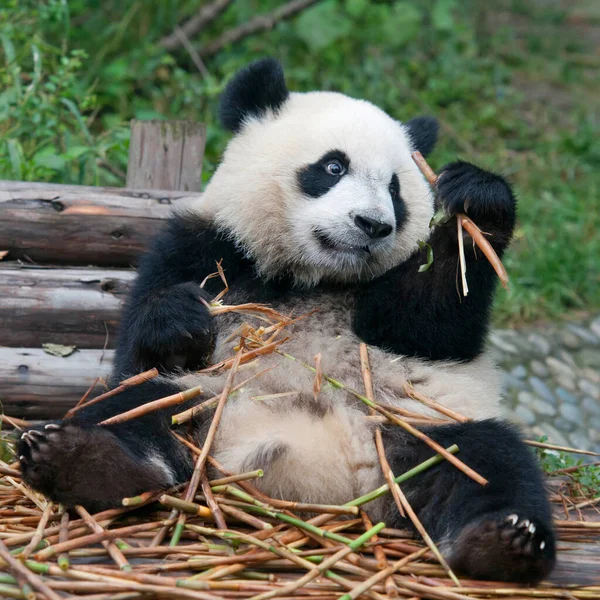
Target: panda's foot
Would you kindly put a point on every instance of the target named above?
(88, 466)
(509, 547)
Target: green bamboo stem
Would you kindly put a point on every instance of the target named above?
(385, 488)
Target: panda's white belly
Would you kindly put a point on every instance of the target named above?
(318, 447)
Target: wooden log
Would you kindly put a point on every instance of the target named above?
(37, 385)
(166, 155)
(75, 225)
(70, 306)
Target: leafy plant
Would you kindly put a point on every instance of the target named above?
(585, 478)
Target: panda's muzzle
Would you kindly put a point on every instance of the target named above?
(376, 230)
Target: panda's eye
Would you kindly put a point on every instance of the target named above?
(335, 168)
(394, 188)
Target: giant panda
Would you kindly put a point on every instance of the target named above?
(318, 206)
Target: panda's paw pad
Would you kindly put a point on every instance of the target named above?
(46, 449)
(522, 536)
(505, 547)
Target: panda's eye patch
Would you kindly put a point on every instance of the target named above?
(319, 177)
(394, 187)
(335, 168)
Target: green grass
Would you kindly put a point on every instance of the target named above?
(515, 83)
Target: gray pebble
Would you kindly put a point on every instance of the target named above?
(570, 340)
(591, 374)
(569, 383)
(525, 415)
(564, 425)
(589, 357)
(565, 396)
(539, 343)
(512, 383)
(595, 326)
(543, 408)
(580, 440)
(566, 357)
(589, 388)
(571, 412)
(539, 368)
(584, 334)
(595, 438)
(520, 372)
(542, 390)
(503, 344)
(558, 367)
(594, 423)
(591, 406)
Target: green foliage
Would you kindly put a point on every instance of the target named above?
(585, 479)
(511, 81)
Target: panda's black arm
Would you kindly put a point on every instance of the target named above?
(164, 323)
(425, 314)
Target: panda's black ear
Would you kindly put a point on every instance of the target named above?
(423, 132)
(252, 91)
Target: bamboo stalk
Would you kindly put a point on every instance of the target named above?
(63, 536)
(23, 574)
(212, 503)
(126, 383)
(39, 532)
(470, 227)
(406, 508)
(210, 436)
(188, 414)
(153, 406)
(110, 546)
(411, 392)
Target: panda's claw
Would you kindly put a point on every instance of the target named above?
(52, 426)
(512, 519)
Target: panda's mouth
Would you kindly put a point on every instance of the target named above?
(333, 246)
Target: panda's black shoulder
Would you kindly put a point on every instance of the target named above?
(189, 247)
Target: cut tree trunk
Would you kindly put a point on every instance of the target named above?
(37, 385)
(44, 223)
(69, 306)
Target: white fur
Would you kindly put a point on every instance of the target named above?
(255, 193)
(321, 449)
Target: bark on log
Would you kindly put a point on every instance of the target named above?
(76, 225)
(79, 306)
(36, 385)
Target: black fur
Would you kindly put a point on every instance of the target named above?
(423, 133)
(424, 314)
(252, 91)
(165, 324)
(400, 212)
(314, 180)
(470, 520)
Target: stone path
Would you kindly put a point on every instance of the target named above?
(552, 380)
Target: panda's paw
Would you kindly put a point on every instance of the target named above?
(506, 547)
(174, 330)
(90, 466)
(45, 453)
(485, 197)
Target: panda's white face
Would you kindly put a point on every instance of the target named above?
(325, 189)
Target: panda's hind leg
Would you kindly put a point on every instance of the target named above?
(78, 461)
(500, 531)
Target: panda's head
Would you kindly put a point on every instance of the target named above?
(318, 185)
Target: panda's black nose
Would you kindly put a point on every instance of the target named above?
(374, 229)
